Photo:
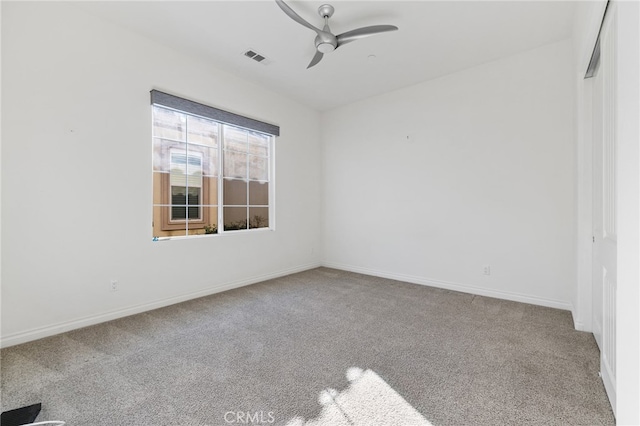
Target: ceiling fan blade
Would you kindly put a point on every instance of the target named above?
(363, 32)
(315, 59)
(293, 15)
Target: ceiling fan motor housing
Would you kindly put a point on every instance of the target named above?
(326, 42)
(326, 10)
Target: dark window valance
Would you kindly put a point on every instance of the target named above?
(191, 107)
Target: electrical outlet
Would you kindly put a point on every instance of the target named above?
(486, 269)
(114, 285)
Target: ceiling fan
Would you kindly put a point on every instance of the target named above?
(326, 41)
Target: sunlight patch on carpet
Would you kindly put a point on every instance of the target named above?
(367, 400)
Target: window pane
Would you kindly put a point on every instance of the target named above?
(210, 161)
(185, 201)
(162, 149)
(211, 184)
(178, 212)
(168, 124)
(157, 187)
(258, 193)
(194, 170)
(235, 139)
(178, 203)
(194, 212)
(178, 178)
(235, 218)
(194, 201)
(258, 217)
(210, 215)
(258, 144)
(235, 192)
(258, 168)
(159, 162)
(161, 215)
(186, 169)
(201, 131)
(178, 168)
(235, 164)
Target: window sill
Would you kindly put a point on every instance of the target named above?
(223, 234)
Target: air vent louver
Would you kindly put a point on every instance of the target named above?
(250, 53)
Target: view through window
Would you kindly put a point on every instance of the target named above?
(207, 173)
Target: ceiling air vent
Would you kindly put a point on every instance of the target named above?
(250, 53)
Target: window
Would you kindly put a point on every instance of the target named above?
(210, 167)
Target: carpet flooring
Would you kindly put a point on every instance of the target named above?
(321, 347)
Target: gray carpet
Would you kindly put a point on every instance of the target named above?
(322, 347)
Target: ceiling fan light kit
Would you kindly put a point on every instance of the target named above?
(326, 41)
(325, 47)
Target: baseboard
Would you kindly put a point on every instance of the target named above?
(516, 297)
(39, 333)
(597, 334)
(609, 384)
(577, 324)
(51, 330)
(580, 326)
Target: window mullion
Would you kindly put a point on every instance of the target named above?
(247, 180)
(186, 172)
(221, 179)
(271, 188)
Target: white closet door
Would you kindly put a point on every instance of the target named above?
(605, 202)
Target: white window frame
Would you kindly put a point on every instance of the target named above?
(219, 202)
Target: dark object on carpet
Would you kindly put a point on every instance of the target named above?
(21, 416)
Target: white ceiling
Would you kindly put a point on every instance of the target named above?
(435, 38)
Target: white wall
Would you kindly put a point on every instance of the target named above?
(76, 175)
(0, 170)
(429, 183)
